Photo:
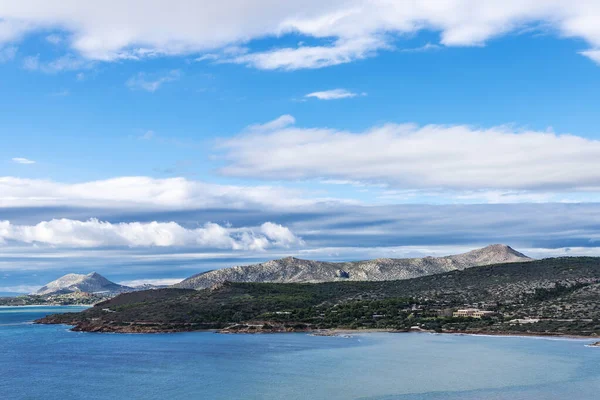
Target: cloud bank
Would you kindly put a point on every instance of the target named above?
(346, 30)
(431, 157)
(145, 193)
(95, 233)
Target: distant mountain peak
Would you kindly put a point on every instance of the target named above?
(496, 253)
(499, 247)
(290, 258)
(89, 283)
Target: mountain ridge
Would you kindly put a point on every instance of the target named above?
(296, 270)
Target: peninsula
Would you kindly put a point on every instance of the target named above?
(555, 296)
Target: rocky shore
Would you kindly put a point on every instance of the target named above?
(97, 326)
(265, 327)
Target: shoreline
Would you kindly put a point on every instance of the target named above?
(335, 332)
(539, 335)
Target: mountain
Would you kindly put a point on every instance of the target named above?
(90, 283)
(295, 270)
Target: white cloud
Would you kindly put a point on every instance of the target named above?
(67, 62)
(152, 82)
(333, 94)
(279, 235)
(593, 55)
(21, 160)
(156, 282)
(54, 39)
(485, 196)
(278, 123)
(422, 49)
(95, 233)
(346, 30)
(7, 53)
(428, 157)
(145, 193)
(341, 52)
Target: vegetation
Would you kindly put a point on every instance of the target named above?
(561, 292)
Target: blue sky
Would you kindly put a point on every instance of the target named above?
(159, 141)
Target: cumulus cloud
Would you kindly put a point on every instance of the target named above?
(95, 233)
(152, 82)
(138, 192)
(344, 30)
(22, 160)
(279, 235)
(420, 157)
(333, 94)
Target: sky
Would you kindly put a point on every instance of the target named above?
(152, 140)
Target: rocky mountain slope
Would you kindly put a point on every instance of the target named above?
(90, 283)
(294, 270)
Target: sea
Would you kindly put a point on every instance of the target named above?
(51, 362)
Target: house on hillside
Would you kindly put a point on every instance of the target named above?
(472, 313)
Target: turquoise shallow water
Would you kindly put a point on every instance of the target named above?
(50, 362)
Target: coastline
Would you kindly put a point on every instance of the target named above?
(186, 328)
(540, 335)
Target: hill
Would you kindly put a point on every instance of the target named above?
(294, 270)
(90, 283)
(551, 296)
(73, 289)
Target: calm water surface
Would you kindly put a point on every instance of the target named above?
(49, 362)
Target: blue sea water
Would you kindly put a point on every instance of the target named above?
(50, 362)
